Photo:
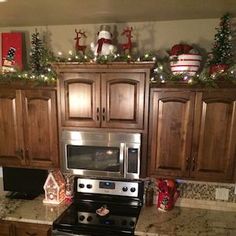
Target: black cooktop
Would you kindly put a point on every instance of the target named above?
(82, 219)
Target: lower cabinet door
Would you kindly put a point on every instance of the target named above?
(26, 229)
(5, 229)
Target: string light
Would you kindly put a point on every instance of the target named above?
(190, 81)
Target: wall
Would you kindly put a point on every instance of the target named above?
(148, 36)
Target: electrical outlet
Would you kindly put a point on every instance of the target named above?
(222, 194)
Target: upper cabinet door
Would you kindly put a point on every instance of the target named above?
(123, 100)
(40, 127)
(80, 99)
(215, 135)
(11, 130)
(171, 120)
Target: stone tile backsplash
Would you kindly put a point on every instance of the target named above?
(204, 190)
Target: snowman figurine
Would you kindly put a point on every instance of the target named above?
(104, 45)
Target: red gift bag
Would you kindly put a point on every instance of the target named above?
(12, 51)
(168, 194)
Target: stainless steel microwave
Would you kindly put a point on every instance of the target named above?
(103, 154)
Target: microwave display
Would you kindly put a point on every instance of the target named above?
(93, 158)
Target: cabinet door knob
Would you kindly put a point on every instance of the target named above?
(187, 164)
(98, 113)
(103, 113)
(194, 165)
(19, 152)
(27, 153)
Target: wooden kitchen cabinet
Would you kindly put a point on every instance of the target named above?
(5, 229)
(27, 229)
(103, 96)
(28, 128)
(10, 228)
(192, 134)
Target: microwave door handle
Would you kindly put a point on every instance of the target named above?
(122, 159)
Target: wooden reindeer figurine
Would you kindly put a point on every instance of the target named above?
(79, 47)
(128, 45)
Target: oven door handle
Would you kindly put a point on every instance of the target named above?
(122, 159)
(56, 232)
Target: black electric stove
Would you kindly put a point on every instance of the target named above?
(122, 200)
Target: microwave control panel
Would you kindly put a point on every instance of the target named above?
(112, 187)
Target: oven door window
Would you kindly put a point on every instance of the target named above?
(93, 158)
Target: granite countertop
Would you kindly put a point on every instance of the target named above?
(31, 211)
(184, 221)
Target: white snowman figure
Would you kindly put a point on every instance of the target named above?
(104, 45)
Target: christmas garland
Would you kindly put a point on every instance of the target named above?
(28, 76)
(160, 75)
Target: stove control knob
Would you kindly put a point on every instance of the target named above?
(124, 222)
(124, 189)
(131, 223)
(89, 186)
(81, 185)
(81, 218)
(133, 190)
(89, 219)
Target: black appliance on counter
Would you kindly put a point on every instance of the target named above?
(121, 201)
(23, 183)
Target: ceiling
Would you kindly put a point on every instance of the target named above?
(64, 12)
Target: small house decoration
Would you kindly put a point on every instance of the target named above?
(54, 188)
(184, 59)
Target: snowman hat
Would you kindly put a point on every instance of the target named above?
(105, 28)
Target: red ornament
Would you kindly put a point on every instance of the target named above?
(79, 47)
(218, 68)
(180, 49)
(128, 45)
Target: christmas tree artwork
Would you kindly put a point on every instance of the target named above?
(222, 48)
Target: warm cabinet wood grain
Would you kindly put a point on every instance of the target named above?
(214, 149)
(11, 127)
(5, 229)
(80, 99)
(123, 100)
(27, 229)
(171, 132)
(193, 134)
(104, 96)
(28, 128)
